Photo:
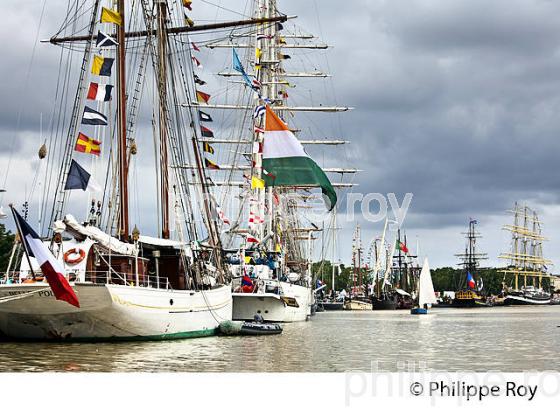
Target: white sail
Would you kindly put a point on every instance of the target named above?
(426, 287)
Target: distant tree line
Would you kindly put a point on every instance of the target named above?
(6, 243)
(444, 279)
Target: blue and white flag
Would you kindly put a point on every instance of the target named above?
(79, 178)
(92, 117)
(259, 111)
(105, 40)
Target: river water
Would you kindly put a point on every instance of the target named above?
(484, 339)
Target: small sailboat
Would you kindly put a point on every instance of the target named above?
(426, 294)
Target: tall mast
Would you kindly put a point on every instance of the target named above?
(121, 123)
(162, 88)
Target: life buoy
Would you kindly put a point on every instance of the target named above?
(70, 256)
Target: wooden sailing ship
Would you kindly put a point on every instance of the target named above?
(129, 286)
(268, 243)
(470, 286)
(526, 276)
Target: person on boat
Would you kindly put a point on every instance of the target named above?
(342, 295)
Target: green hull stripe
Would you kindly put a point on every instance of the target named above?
(170, 336)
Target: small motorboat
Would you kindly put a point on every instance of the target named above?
(255, 328)
(259, 329)
(418, 311)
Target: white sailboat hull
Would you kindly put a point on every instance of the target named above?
(273, 307)
(113, 312)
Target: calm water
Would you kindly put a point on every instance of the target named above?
(501, 339)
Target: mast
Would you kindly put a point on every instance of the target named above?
(162, 88)
(121, 124)
(470, 259)
(526, 257)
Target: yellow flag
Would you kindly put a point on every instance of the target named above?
(278, 247)
(257, 183)
(258, 53)
(248, 260)
(110, 16)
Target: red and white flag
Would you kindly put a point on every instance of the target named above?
(50, 266)
(252, 239)
(99, 92)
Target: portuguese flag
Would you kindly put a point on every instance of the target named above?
(286, 162)
(402, 246)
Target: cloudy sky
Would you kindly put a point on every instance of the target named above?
(456, 102)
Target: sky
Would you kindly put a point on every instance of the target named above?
(455, 102)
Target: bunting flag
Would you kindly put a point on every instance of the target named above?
(92, 117)
(105, 40)
(208, 148)
(255, 219)
(263, 37)
(111, 16)
(283, 56)
(210, 164)
(102, 65)
(252, 239)
(99, 92)
(279, 26)
(237, 66)
(268, 174)
(257, 147)
(282, 40)
(87, 145)
(198, 80)
(202, 116)
(194, 46)
(285, 158)
(206, 132)
(257, 183)
(259, 111)
(222, 216)
(79, 178)
(50, 266)
(188, 21)
(196, 61)
(187, 4)
(258, 129)
(202, 97)
(258, 54)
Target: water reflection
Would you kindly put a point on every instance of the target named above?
(501, 339)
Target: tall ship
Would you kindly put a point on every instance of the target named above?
(261, 174)
(125, 122)
(394, 273)
(470, 283)
(526, 275)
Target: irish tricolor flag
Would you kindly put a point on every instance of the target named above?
(285, 159)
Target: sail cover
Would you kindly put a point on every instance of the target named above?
(427, 294)
(285, 163)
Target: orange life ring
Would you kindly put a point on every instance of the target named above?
(71, 259)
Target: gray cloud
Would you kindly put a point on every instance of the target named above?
(456, 102)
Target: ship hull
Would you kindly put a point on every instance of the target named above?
(512, 300)
(357, 305)
(293, 306)
(333, 305)
(383, 304)
(113, 313)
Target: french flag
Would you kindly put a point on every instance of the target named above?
(470, 281)
(50, 267)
